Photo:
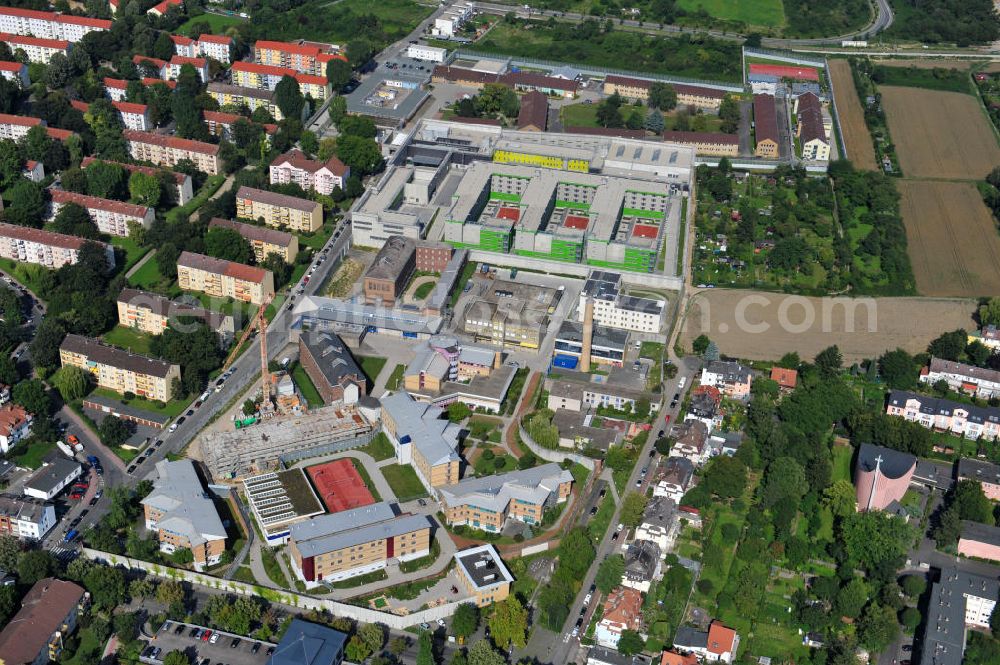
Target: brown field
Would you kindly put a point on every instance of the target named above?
(940, 134)
(931, 63)
(940, 219)
(908, 323)
(852, 119)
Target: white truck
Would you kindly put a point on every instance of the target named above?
(66, 450)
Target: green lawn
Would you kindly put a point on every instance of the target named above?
(218, 23)
(380, 448)
(129, 338)
(148, 277)
(842, 462)
(31, 456)
(363, 472)
(174, 407)
(467, 271)
(396, 378)
(766, 13)
(318, 238)
(133, 252)
(404, 482)
(272, 567)
(29, 275)
(211, 186)
(371, 366)
(579, 115)
(306, 386)
(488, 467)
(424, 290)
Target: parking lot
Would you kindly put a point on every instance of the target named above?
(206, 647)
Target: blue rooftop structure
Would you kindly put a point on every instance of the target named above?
(309, 644)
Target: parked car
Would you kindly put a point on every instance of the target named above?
(235, 643)
(593, 511)
(214, 638)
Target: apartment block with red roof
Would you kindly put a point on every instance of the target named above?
(252, 98)
(224, 279)
(217, 47)
(168, 150)
(111, 217)
(115, 89)
(719, 644)
(134, 116)
(48, 616)
(47, 249)
(149, 65)
(221, 124)
(173, 68)
(279, 210)
(687, 95)
(309, 174)
(15, 71)
(37, 49)
(622, 611)
(48, 25)
(182, 194)
(149, 80)
(266, 77)
(263, 240)
(33, 171)
(302, 56)
(14, 127)
(162, 8)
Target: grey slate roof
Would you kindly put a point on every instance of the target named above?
(641, 559)
(689, 638)
(981, 533)
(495, 492)
(605, 656)
(894, 463)
(935, 406)
(186, 507)
(333, 359)
(611, 338)
(307, 643)
(978, 470)
(436, 439)
(335, 531)
(944, 624)
(51, 474)
(730, 371)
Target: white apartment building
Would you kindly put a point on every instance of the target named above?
(217, 47)
(428, 53)
(15, 424)
(48, 25)
(37, 50)
(14, 127)
(614, 309)
(448, 24)
(47, 249)
(962, 378)
(133, 116)
(183, 191)
(309, 174)
(168, 150)
(15, 71)
(173, 68)
(111, 217)
(26, 518)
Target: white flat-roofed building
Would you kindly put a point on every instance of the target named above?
(52, 478)
(614, 309)
(427, 53)
(484, 574)
(452, 20)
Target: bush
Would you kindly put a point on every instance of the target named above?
(488, 454)
(706, 587)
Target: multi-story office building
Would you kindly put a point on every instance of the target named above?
(37, 49)
(151, 313)
(488, 502)
(47, 249)
(614, 309)
(182, 514)
(483, 574)
(168, 150)
(224, 279)
(119, 370)
(422, 440)
(252, 98)
(355, 542)
(111, 217)
(48, 25)
(26, 518)
(183, 191)
(304, 57)
(309, 174)
(263, 240)
(279, 210)
(49, 613)
(267, 77)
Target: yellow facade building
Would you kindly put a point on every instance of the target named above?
(279, 210)
(119, 370)
(224, 279)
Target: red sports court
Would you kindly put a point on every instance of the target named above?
(785, 71)
(576, 222)
(645, 231)
(339, 485)
(507, 212)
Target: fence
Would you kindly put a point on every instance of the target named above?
(288, 598)
(784, 56)
(553, 455)
(594, 71)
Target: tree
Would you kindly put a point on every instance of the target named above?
(176, 657)
(170, 593)
(338, 73)
(10, 551)
(851, 598)
(948, 528)
(145, 189)
(107, 587)
(609, 112)
(655, 122)
(458, 411)
(610, 572)
(899, 369)
(465, 620)
(699, 344)
(71, 382)
(726, 477)
(359, 51)
(972, 502)
(73, 219)
(873, 538)
(113, 431)
(910, 618)
(509, 622)
(662, 96)
(878, 627)
(361, 154)
(633, 506)
(841, 498)
(11, 163)
(32, 396)
(950, 345)
(35, 565)
(497, 99)
(373, 635)
(829, 360)
(914, 585)
(989, 314)
(108, 181)
(483, 653)
(356, 650)
(785, 480)
(45, 347)
(978, 353)
(425, 649)
(630, 643)
(27, 204)
(227, 244)
(288, 97)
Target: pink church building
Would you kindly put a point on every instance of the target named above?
(882, 476)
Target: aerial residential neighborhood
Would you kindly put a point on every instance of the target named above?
(468, 333)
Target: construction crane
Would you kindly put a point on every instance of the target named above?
(259, 322)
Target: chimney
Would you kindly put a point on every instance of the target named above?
(588, 334)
